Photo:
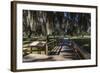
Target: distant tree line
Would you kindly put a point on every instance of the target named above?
(42, 23)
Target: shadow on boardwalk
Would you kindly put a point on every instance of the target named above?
(64, 51)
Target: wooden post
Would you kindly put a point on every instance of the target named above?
(31, 50)
(46, 51)
(46, 47)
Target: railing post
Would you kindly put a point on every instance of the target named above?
(46, 51)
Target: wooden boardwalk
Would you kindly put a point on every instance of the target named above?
(63, 51)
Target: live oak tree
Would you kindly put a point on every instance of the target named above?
(43, 23)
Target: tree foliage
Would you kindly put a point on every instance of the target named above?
(42, 23)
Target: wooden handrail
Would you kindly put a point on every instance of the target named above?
(51, 42)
